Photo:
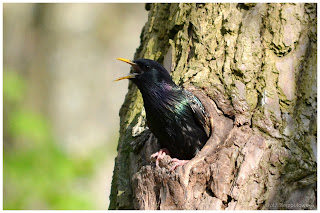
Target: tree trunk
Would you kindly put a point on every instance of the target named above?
(254, 67)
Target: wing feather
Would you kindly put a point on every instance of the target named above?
(200, 115)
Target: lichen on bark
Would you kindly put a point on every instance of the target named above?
(255, 67)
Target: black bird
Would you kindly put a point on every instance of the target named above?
(175, 116)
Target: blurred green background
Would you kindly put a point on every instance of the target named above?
(60, 106)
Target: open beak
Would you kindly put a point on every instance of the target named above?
(127, 61)
(130, 75)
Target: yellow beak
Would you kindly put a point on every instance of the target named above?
(130, 75)
(127, 61)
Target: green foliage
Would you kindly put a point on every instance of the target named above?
(37, 174)
(13, 86)
(30, 125)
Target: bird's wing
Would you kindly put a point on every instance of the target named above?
(199, 112)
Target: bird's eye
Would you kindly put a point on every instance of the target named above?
(148, 67)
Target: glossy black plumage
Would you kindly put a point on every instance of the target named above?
(175, 116)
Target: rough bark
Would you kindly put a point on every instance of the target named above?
(254, 67)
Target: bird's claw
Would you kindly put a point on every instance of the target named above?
(177, 163)
(160, 155)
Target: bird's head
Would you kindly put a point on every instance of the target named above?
(146, 73)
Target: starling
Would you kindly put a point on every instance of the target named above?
(175, 116)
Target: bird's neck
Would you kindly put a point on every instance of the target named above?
(161, 95)
(158, 91)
